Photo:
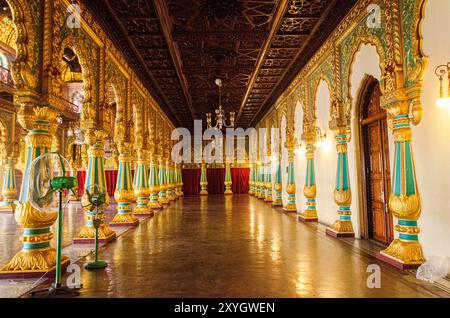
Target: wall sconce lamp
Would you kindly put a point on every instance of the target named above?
(319, 136)
(441, 71)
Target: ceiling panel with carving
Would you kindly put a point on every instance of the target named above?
(179, 48)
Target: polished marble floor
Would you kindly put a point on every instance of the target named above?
(237, 246)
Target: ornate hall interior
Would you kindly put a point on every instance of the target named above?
(224, 148)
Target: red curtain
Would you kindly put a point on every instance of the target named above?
(111, 181)
(216, 178)
(191, 181)
(81, 178)
(240, 178)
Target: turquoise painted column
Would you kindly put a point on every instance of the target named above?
(36, 257)
(343, 227)
(95, 178)
(124, 193)
(262, 183)
(278, 200)
(9, 189)
(228, 181)
(404, 203)
(290, 184)
(257, 181)
(180, 181)
(251, 182)
(169, 182)
(141, 186)
(268, 184)
(310, 191)
(162, 183)
(204, 181)
(154, 185)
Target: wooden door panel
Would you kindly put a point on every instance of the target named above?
(376, 159)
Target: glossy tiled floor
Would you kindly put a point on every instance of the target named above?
(236, 247)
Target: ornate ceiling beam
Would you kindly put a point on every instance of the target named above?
(163, 14)
(280, 85)
(277, 19)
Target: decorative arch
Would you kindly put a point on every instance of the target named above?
(119, 84)
(24, 70)
(355, 45)
(89, 111)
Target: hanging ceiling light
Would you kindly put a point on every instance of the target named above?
(220, 113)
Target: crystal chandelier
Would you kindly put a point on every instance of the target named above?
(220, 113)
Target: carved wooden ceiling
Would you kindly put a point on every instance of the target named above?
(179, 47)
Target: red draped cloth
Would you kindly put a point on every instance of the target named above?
(81, 178)
(111, 181)
(191, 181)
(216, 179)
(240, 178)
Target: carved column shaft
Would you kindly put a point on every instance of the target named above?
(203, 181)
(95, 178)
(124, 193)
(228, 183)
(310, 191)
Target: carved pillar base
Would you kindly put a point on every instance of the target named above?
(310, 214)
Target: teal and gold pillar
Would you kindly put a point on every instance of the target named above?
(203, 181)
(251, 182)
(268, 183)
(124, 193)
(343, 227)
(180, 181)
(141, 186)
(9, 190)
(278, 199)
(95, 178)
(262, 182)
(310, 191)
(162, 199)
(154, 185)
(37, 257)
(290, 184)
(257, 180)
(228, 183)
(404, 202)
(170, 195)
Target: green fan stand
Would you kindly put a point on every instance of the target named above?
(59, 184)
(97, 264)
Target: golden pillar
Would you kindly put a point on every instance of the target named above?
(124, 193)
(228, 182)
(95, 178)
(37, 257)
(310, 191)
(290, 185)
(141, 185)
(404, 202)
(9, 189)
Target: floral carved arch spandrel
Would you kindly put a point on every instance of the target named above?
(24, 69)
(89, 111)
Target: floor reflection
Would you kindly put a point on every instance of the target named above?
(235, 247)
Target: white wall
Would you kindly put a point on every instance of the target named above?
(366, 62)
(431, 138)
(326, 160)
(431, 144)
(300, 161)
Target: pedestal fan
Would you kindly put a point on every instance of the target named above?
(97, 200)
(50, 183)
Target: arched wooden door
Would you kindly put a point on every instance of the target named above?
(375, 152)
